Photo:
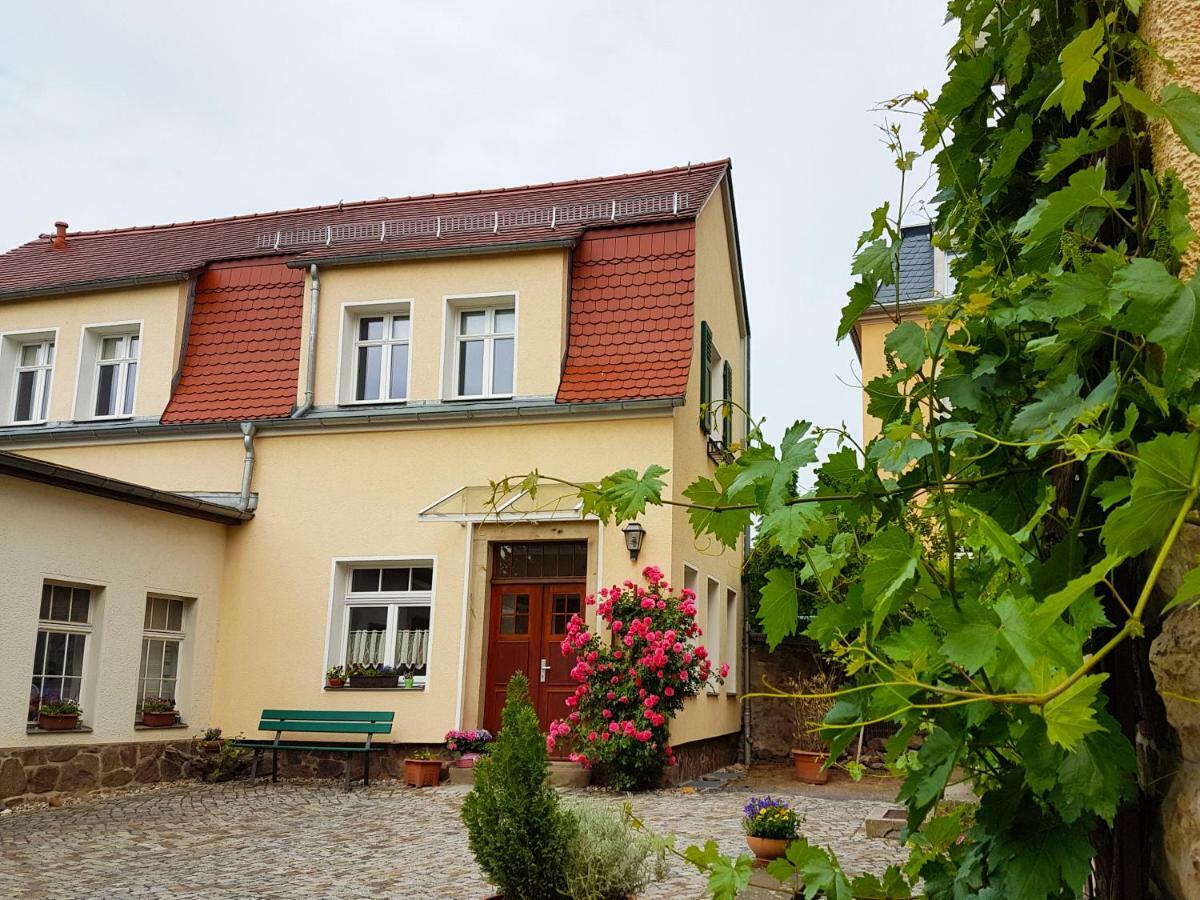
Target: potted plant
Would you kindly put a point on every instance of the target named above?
(158, 712)
(210, 741)
(59, 715)
(371, 675)
(423, 769)
(811, 702)
(470, 745)
(335, 678)
(770, 824)
(408, 675)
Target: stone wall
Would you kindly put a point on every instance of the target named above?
(773, 722)
(698, 758)
(43, 773)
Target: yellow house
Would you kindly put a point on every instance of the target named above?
(242, 451)
(924, 278)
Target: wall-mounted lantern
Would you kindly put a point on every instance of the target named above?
(634, 533)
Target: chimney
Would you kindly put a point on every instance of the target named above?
(59, 241)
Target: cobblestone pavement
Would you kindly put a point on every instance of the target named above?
(313, 840)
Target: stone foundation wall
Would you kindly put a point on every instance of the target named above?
(701, 757)
(387, 763)
(41, 773)
(773, 722)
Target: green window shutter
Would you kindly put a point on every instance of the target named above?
(727, 407)
(705, 378)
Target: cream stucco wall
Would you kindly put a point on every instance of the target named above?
(716, 304)
(159, 309)
(124, 552)
(536, 278)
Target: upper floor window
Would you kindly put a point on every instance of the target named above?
(485, 350)
(31, 384)
(381, 357)
(716, 390)
(108, 370)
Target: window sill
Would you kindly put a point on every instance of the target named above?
(399, 401)
(416, 688)
(26, 424)
(78, 729)
(479, 398)
(138, 726)
(87, 419)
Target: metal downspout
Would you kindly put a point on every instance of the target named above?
(247, 465)
(310, 353)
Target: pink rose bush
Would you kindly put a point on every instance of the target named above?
(632, 681)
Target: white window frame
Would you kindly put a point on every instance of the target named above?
(347, 373)
(455, 306)
(47, 344)
(732, 639)
(712, 622)
(165, 634)
(341, 600)
(87, 381)
(87, 630)
(716, 391)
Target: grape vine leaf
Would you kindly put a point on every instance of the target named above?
(1070, 716)
(1080, 61)
(1188, 592)
(778, 603)
(1049, 216)
(725, 524)
(1165, 310)
(1158, 489)
(972, 646)
(862, 295)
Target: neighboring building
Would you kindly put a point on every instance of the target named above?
(924, 277)
(318, 399)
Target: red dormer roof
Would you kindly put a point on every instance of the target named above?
(556, 211)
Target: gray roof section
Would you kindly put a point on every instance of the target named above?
(916, 266)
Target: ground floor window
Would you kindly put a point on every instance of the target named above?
(162, 645)
(64, 626)
(386, 617)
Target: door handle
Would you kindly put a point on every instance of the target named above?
(545, 668)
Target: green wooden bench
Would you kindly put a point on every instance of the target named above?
(315, 721)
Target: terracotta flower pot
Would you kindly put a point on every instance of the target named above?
(766, 849)
(50, 722)
(422, 772)
(210, 746)
(159, 719)
(335, 682)
(810, 766)
(467, 760)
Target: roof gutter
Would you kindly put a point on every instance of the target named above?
(42, 472)
(359, 259)
(310, 352)
(79, 287)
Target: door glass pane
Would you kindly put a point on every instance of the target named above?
(470, 368)
(367, 634)
(473, 322)
(23, 411)
(412, 639)
(398, 383)
(130, 386)
(370, 359)
(422, 578)
(564, 606)
(106, 390)
(506, 321)
(400, 328)
(370, 329)
(514, 614)
(502, 366)
(395, 579)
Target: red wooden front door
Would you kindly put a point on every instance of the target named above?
(527, 623)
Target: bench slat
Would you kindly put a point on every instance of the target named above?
(305, 725)
(327, 715)
(291, 745)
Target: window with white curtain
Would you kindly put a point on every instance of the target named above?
(386, 616)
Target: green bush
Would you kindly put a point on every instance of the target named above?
(608, 860)
(518, 833)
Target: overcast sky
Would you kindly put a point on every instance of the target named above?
(118, 113)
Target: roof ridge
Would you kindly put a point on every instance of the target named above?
(360, 204)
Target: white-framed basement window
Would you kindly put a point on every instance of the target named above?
(108, 371)
(385, 616)
(375, 352)
(163, 635)
(483, 346)
(59, 656)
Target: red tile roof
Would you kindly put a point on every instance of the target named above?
(430, 222)
(243, 350)
(630, 334)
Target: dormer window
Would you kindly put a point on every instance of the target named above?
(31, 385)
(375, 352)
(108, 371)
(483, 348)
